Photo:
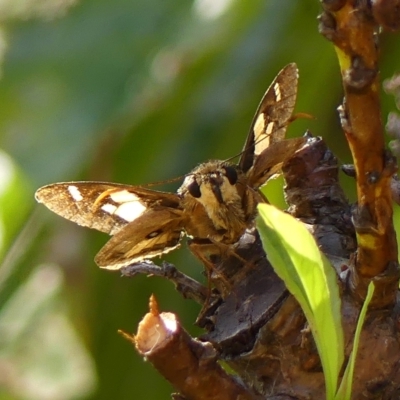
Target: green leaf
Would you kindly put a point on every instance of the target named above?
(344, 391)
(311, 279)
(14, 208)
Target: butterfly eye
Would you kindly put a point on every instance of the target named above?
(231, 174)
(194, 189)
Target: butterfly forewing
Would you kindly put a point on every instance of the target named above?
(272, 116)
(107, 207)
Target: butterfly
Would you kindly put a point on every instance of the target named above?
(216, 202)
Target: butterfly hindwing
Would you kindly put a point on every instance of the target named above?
(106, 207)
(272, 116)
(270, 161)
(155, 232)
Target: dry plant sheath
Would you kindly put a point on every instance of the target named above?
(353, 30)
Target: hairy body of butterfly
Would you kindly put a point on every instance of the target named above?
(216, 202)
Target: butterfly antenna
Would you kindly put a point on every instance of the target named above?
(159, 183)
(255, 143)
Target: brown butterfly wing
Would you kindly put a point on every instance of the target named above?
(272, 116)
(157, 231)
(270, 162)
(107, 207)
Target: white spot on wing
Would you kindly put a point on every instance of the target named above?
(277, 90)
(75, 193)
(259, 126)
(270, 128)
(153, 234)
(128, 205)
(109, 208)
(130, 211)
(123, 196)
(263, 136)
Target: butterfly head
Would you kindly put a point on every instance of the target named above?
(212, 197)
(212, 183)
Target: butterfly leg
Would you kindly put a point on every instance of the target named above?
(211, 254)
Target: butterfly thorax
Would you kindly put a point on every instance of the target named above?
(216, 204)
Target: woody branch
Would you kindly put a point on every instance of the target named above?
(190, 365)
(353, 30)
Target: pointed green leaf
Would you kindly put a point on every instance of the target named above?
(345, 388)
(311, 279)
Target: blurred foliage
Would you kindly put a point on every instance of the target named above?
(135, 92)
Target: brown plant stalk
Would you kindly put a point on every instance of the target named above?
(353, 31)
(190, 365)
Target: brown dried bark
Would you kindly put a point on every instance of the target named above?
(352, 28)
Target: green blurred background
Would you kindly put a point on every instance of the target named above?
(131, 92)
